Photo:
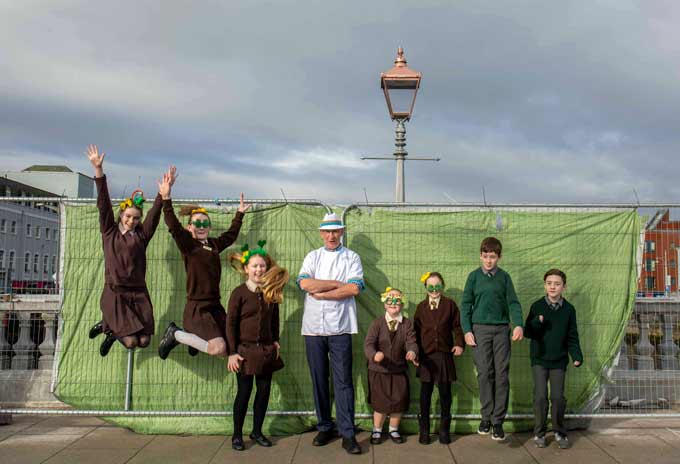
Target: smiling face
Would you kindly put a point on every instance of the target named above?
(394, 303)
(489, 260)
(332, 239)
(434, 287)
(129, 218)
(255, 269)
(554, 286)
(199, 226)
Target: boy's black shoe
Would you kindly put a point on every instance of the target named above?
(96, 330)
(237, 443)
(106, 345)
(539, 441)
(424, 429)
(484, 428)
(498, 433)
(322, 438)
(168, 342)
(261, 439)
(192, 351)
(562, 440)
(351, 445)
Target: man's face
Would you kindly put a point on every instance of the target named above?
(332, 238)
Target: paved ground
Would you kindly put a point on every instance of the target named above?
(40, 439)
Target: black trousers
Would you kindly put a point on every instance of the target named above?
(492, 359)
(426, 389)
(559, 403)
(245, 388)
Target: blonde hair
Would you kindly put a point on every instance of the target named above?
(190, 210)
(273, 280)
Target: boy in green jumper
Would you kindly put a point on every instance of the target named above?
(488, 305)
(551, 325)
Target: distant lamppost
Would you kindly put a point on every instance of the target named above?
(400, 85)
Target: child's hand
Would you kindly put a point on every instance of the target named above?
(242, 207)
(517, 334)
(233, 363)
(577, 363)
(540, 318)
(410, 356)
(379, 356)
(470, 339)
(457, 350)
(278, 349)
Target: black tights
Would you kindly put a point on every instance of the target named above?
(426, 389)
(245, 388)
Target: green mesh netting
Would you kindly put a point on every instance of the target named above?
(597, 251)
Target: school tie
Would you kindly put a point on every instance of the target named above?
(393, 326)
(433, 305)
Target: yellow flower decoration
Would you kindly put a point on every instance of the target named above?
(125, 204)
(424, 277)
(244, 256)
(199, 210)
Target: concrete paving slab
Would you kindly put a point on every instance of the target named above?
(670, 436)
(481, 449)
(5, 435)
(104, 437)
(578, 440)
(165, 449)
(554, 455)
(282, 452)
(40, 429)
(411, 451)
(20, 422)
(29, 449)
(333, 452)
(98, 456)
(74, 421)
(642, 448)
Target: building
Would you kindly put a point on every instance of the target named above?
(661, 253)
(61, 181)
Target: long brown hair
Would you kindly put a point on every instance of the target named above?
(273, 280)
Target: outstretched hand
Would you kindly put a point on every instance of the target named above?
(242, 206)
(470, 339)
(517, 334)
(96, 159)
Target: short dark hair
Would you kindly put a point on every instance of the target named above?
(491, 245)
(556, 272)
(435, 274)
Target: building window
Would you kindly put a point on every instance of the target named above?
(45, 259)
(2, 259)
(47, 233)
(27, 262)
(672, 264)
(8, 191)
(651, 282)
(650, 246)
(673, 281)
(28, 230)
(36, 262)
(650, 265)
(37, 231)
(53, 267)
(13, 227)
(3, 225)
(10, 262)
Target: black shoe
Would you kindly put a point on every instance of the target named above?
(484, 427)
(376, 438)
(424, 429)
(168, 341)
(192, 351)
(396, 437)
(237, 443)
(261, 439)
(322, 438)
(498, 433)
(351, 445)
(107, 344)
(96, 330)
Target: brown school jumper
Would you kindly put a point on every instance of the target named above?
(204, 315)
(252, 329)
(388, 388)
(435, 330)
(125, 303)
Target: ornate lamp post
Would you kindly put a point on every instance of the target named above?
(400, 86)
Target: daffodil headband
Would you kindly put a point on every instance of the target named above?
(135, 200)
(246, 254)
(385, 298)
(424, 277)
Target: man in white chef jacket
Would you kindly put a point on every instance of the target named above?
(331, 276)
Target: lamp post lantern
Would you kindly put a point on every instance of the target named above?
(400, 85)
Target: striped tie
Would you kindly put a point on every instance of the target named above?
(393, 325)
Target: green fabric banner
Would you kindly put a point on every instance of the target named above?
(597, 250)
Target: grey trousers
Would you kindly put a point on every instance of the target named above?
(492, 359)
(557, 399)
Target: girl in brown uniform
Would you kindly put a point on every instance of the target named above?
(437, 320)
(389, 343)
(204, 316)
(253, 336)
(127, 313)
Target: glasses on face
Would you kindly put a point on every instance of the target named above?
(435, 288)
(393, 300)
(204, 224)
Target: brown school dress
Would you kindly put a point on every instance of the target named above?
(435, 330)
(125, 303)
(388, 387)
(204, 315)
(252, 329)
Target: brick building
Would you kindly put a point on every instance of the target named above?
(661, 254)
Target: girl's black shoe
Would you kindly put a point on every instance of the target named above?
(237, 443)
(261, 439)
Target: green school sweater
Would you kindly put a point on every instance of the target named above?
(554, 339)
(489, 300)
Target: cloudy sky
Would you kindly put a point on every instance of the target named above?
(535, 101)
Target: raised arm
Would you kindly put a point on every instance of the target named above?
(182, 237)
(106, 219)
(153, 217)
(230, 236)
